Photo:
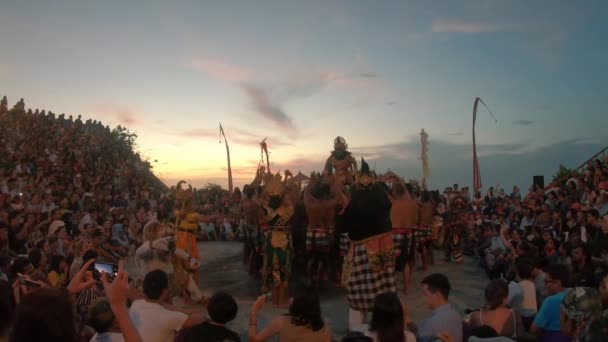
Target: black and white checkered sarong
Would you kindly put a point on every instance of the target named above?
(344, 244)
(363, 284)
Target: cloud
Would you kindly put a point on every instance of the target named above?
(455, 26)
(128, 118)
(221, 70)
(505, 164)
(234, 136)
(524, 122)
(264, 106)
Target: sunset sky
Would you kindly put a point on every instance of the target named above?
(302, 72)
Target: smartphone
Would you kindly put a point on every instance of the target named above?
(109, 269)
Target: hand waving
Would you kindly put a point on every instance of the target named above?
(83, 279)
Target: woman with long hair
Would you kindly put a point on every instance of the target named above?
(389, 320)
(58, 271)
(505, 321)
(303, 322)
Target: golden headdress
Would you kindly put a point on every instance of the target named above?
(182, 194)
(274, 185)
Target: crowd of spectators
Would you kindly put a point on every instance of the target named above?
(75, 193)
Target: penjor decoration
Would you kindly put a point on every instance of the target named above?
(222, 134)
(264, 152)
(424, 149)
(476, 174)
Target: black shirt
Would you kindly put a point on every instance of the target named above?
(207, 332)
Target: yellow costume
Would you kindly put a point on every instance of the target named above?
(185, 236)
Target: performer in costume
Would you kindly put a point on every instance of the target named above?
(456, 224)
(253, 214)
(187, 223)
(321, 198)
(427, 220)
(404, 219)
(341, 162)
(369, 267)
(278, 251)
(157, 252)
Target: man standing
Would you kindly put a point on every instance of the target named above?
(404, 218)
(369, 265)
(321, 198)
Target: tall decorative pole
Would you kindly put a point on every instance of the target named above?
(264, 151)
(222, 134)
(476, 173)
(424, 149)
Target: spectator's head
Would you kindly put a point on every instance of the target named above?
(58, 263)
(557, 278)
(98, 237)
(604, 223)
(305, 309)
(579, 254)
(7, 306)
(592, 216)
(101, 317)
(22, 265)
(222, 308)
(581, 307)
(387, 318)
(496, 294)
(156, 285)
(44, 315)
(524, 268)
(38, 259)
(436, 290)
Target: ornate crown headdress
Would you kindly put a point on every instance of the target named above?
(339, 142)
(182, 194)
(274, 185)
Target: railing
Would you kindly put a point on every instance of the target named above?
(601, 154)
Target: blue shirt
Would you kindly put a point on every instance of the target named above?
(443, 319)
(548, 315)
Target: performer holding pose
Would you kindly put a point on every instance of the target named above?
(369, 266)
(404, 218)
(321, 198)
(278, 250)
(456, 224)
(253, 236)
(187, 224)
(157, 252)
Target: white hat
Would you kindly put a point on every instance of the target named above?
(55, 226)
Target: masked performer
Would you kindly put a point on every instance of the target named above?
(321, 198)
(369, 266)
(341, 162)
(185, 235)
(278, 251)
(404, 218)
(454, 228)
(253, 214)
(157, 252)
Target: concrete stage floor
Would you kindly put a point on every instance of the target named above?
(222, 268)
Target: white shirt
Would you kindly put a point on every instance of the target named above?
(154, 322)
(528, 305)
(107, 337)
